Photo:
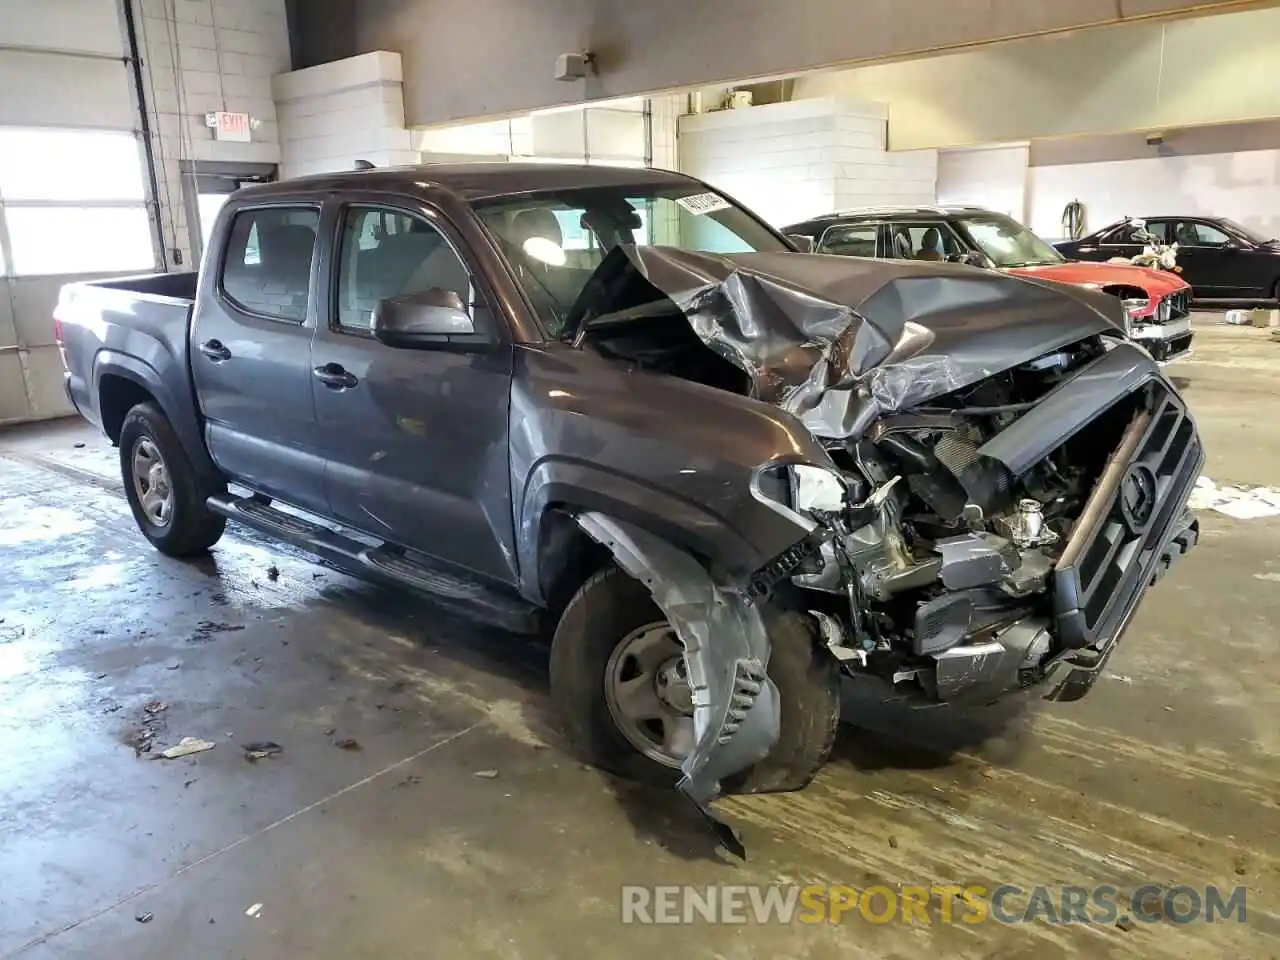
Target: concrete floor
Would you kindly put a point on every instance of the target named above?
(1166, 773)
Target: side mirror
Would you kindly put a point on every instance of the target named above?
(970, 258)
(1231, 246)
(802, 242)
(420, 319)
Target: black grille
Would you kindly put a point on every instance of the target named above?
(1113, 551)
(1162, 350)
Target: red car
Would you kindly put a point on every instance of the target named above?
(1157, 302)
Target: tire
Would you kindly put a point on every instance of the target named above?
(609, 607)
(189, 527)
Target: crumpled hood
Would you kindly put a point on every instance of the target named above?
(1157, 283)
(837, 341)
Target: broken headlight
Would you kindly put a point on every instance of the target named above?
(815, 488)
(799, 490)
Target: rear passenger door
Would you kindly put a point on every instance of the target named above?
(251, 352)
(1123, 241)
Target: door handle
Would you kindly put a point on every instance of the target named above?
(335, 376)
(215, 350)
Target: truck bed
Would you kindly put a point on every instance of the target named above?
(128, 337)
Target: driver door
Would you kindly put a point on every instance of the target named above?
(1209, 263)
(415, 440)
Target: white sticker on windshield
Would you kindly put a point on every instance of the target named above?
(703, 203)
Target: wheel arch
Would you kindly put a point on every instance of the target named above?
(122, 381)
(554, 551)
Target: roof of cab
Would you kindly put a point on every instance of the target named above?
(479, 181)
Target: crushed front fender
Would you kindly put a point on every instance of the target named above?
(726, 649)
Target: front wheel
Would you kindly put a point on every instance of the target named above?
(166, 494)
(618, 677)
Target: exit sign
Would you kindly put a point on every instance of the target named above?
(235, 127)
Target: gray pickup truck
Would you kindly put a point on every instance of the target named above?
(616, 405)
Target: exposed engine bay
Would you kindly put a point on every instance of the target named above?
(1005, 472)
(934, 553)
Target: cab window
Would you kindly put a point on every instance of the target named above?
(267, 269)
(387, 253)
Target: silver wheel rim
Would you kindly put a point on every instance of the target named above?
(151, 482)
(648, 694)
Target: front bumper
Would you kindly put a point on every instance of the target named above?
(1073, 675)
(1166, 342)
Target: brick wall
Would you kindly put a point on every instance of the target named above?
(994, 177)
(794, 160)
(337, 113)
(201, 56)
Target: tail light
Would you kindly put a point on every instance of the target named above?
(57, 329)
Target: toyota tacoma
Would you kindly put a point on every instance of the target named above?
(616, 405)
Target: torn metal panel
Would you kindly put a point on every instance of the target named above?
(726, 649)
(838, 341)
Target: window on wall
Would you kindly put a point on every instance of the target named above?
(74, 201)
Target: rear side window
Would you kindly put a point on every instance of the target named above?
(267, 270)
(852, 240)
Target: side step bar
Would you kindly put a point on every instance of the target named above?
(468, 598)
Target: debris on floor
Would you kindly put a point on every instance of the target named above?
(254, 911)
(1123, 678)
(140, 740)
(79, 444)
(187, 746)
(173, 665)
(145, 916)
(273, 573)
(261, 750)
(1237, 502)
(350, 743)
(206, 629)
(155, 706)
(487, 774)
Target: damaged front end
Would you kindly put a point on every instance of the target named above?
(726, 651)
(1005, 478)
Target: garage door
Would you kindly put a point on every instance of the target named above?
(72, 181)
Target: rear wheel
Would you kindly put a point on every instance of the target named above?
(166, 494)
(618, 677)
